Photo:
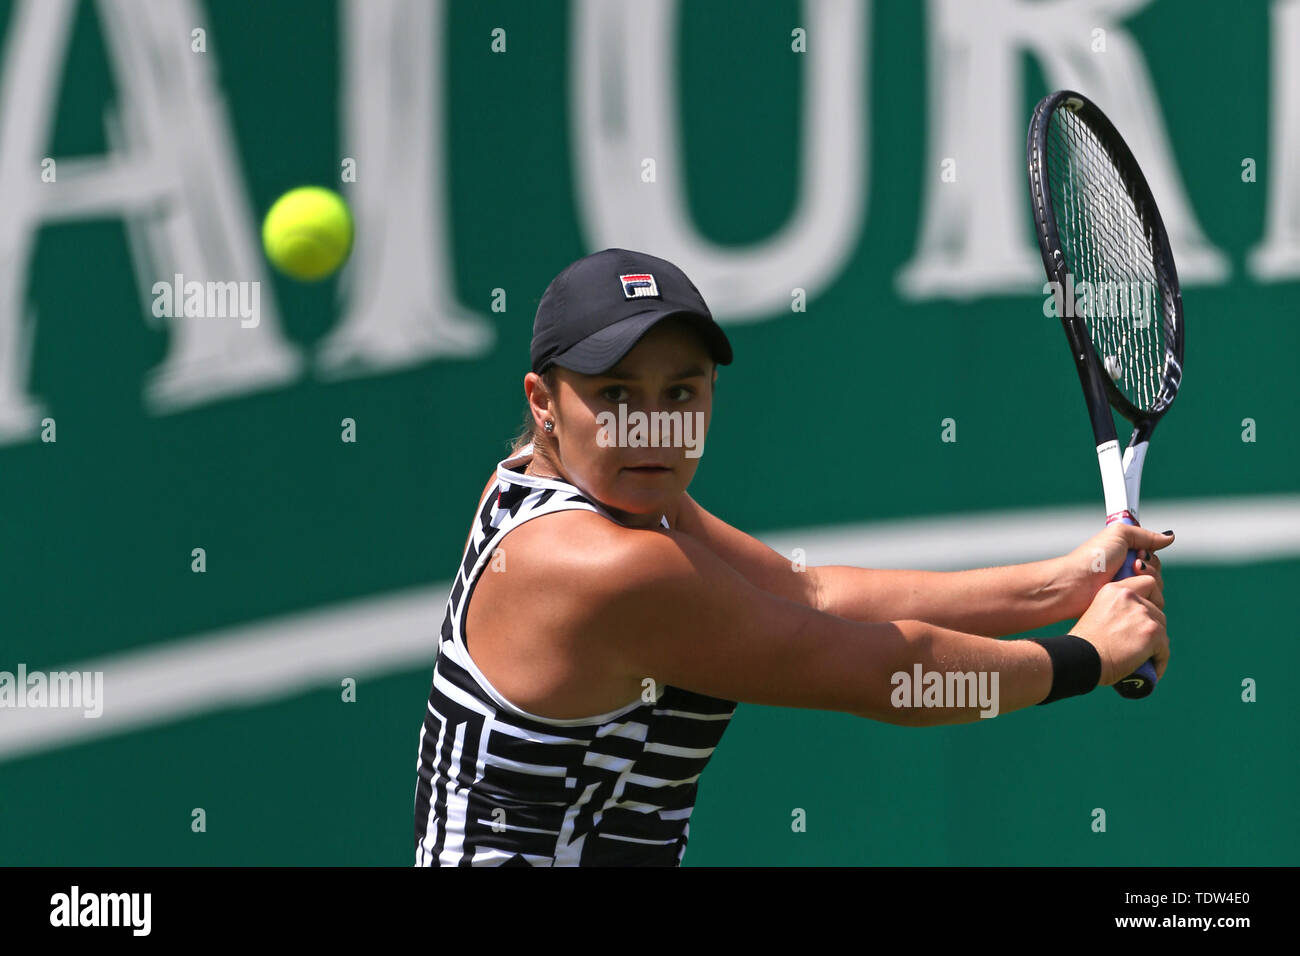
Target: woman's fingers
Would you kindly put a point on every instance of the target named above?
(1151, 567)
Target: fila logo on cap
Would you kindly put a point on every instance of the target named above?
(639, 286)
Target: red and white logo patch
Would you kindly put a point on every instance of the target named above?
(639, 286)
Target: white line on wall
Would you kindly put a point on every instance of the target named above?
(281, 657)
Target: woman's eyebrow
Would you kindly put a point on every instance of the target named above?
(692, 371)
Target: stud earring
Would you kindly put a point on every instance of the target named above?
(549, 426)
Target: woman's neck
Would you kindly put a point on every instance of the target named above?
(539, 468)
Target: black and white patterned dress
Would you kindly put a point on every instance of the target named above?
(498, 785)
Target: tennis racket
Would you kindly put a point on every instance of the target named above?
(1105, 248)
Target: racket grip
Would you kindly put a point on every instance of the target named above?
(1142, 681)
(1139, 684)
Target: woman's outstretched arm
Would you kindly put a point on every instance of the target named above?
(632, 606)
(991, 602)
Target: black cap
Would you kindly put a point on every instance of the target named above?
(597, 309)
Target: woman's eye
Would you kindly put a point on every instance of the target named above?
(614, 393)
(683, 393)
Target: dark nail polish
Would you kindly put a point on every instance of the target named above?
(1166, 532)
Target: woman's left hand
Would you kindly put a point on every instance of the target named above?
(1095, 563)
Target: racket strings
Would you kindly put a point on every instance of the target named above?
(1122, 318)
(1107, 244)
(1126, 325)
(1112, 253)
(1109, 248)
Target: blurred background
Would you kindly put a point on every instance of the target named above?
(845, 183)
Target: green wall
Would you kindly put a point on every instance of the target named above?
(96, 529)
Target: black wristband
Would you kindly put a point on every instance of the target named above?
(1076, 666)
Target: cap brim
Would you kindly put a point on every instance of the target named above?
(602, 350)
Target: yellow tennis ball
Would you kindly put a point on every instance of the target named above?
(307, 233)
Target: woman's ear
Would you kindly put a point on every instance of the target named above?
(539, 397)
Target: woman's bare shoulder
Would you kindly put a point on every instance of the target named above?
(575, 539)
(567, 562)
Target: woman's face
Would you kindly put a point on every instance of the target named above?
(632, 436)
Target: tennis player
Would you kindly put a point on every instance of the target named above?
(603, 625)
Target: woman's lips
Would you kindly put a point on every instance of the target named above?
(648, 469)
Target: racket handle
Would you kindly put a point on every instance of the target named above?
(1142, 681)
